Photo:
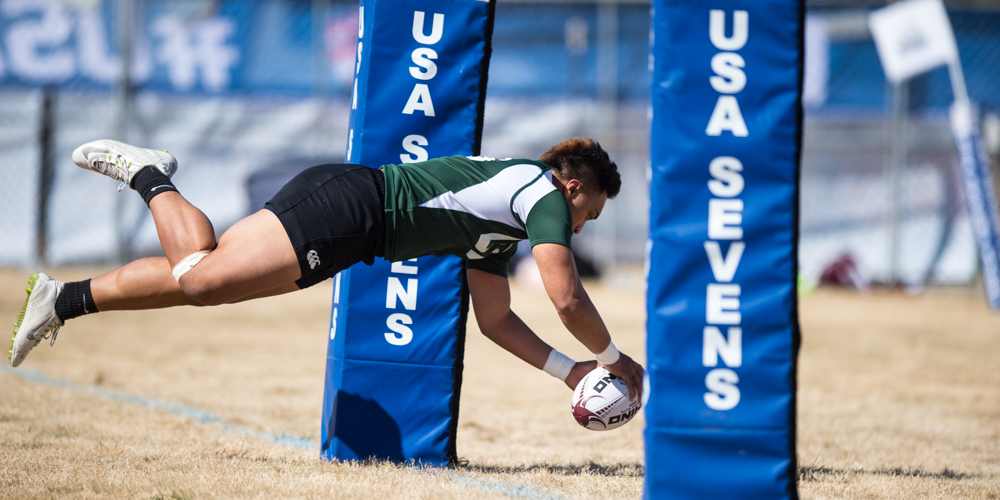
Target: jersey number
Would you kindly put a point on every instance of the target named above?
(490, 244)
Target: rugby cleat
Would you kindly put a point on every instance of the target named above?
(122, 161)
(38, 317)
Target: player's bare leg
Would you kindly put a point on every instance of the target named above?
(253, 256)
(148, 284)
(253, 259)
(182, 228)
(141, 284)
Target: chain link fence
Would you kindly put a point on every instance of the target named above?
(230, 88)
(238, 89)
(880, 173)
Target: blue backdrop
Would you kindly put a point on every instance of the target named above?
(397, 330)
(722, 319)
(294, 47)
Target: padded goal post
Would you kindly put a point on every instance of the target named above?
(397, 330)
(723, 332)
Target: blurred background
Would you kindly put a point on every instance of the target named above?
(244, 92)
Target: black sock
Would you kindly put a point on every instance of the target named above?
(75, 300)
(150, 181)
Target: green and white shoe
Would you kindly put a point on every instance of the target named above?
(38, 317)
(122, 161)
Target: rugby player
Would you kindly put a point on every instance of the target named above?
(330, 217)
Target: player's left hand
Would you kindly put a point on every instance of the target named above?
(580, 370)
(629, 371)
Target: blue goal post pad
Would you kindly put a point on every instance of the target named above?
(722, 327)
(397, 330)
(740, 463)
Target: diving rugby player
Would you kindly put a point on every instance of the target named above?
(330, 217)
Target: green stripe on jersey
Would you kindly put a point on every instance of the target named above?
(477, 208)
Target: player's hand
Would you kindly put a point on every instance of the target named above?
(629, 371)
(580, 370)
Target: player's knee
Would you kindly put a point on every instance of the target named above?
(201, 291)
(197, 284)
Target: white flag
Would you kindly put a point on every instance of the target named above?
(912, 36)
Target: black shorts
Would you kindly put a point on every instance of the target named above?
(335, 217)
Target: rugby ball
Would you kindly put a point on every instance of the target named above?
(600, 401)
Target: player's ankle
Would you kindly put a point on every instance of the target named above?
(75, 300)
(150, 182)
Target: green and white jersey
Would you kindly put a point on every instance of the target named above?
(473, 207)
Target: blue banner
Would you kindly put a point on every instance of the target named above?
(722, 313)
(397, 329)
(235, 46)
(980, 197)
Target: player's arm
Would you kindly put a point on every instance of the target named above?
(491, 302)
(577, 312)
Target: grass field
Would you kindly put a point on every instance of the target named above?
(899, 397)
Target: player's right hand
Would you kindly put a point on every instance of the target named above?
(629, 371)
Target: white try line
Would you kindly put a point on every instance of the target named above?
(511, 490)
(200, 416)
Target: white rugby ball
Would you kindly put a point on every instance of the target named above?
(601, 403)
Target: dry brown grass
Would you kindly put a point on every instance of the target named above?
(899, 398)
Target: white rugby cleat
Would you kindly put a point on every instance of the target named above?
(38, 317)
(122, 161)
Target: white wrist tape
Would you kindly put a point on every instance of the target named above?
(558, 365)
(610, 355)
(187, 264)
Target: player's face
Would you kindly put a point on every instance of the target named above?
(584, 204)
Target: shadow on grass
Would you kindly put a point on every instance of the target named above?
(815, 473)
(594, 469)
(810, 473)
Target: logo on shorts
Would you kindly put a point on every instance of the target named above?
(313, 259)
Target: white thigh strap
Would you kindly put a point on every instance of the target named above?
(187, 264)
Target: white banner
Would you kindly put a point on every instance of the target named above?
(912, 36)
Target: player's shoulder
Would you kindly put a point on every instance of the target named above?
(486, 164)
(510, 171)
(463, 171)
(506, 162)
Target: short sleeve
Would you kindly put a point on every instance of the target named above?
(550, 221)
(494, 264)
